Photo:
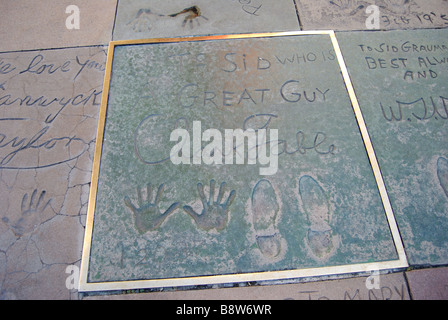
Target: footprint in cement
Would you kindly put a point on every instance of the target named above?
(319, 238)
(265, 210)
(442, 173)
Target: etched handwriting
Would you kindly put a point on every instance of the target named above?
(302, 144)
(298, 58)
(424, 18)
(395, 63)
(420, 109)
(383, 293)
(290, 91)
(6, 68)
(37, 67)
(196, 60)
(45, 102)
(425, 62)
(415, 68)
(236, 62)
(89, 64)
(250, 7)
(406, 47)
(16, 145)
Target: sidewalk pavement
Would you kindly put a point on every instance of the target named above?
(51, 75)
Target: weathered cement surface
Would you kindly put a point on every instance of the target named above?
(31, 25)
(156, 218)
(390, 14)
(49, 112)
(401, 81)
(139, 19)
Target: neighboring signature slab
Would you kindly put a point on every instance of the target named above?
(401, 82)
(352, 15)
(141, 19)
(27, 25)
(159, 216)
(49, 105)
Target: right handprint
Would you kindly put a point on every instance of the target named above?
(215, 214)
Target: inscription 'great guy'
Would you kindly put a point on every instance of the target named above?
(241, 64)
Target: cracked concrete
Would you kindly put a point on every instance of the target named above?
(49, 116)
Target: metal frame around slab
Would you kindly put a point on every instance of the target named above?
(85, 286)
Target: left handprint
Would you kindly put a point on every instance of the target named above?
(31, 213)
(147, 215)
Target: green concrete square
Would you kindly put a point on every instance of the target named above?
(401, 82)
(154, 219)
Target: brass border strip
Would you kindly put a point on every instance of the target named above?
(242, 277)
(84, 271)
(219, 37)
(371, 154)
(85, 286)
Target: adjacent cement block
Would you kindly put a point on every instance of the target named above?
(401, 83)
(43, 24)
(140, 19)
(428, 284)
(353, 14)
(162, 215)
(49, 104)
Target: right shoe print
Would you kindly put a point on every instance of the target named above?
(320, 239)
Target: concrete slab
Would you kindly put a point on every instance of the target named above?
(49, 100)
(49, 103)
(428, 284)
(401, 83)
(353, 14)
(140, 19)
(155, 214)
(43, 24)
(384, 287)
